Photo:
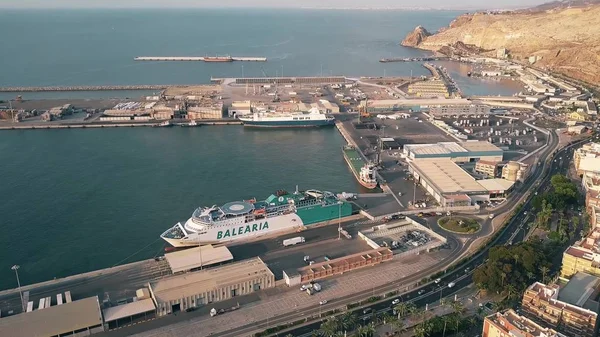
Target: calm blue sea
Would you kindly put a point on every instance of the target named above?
(84, 47)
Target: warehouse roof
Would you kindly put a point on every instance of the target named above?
(479, 146)
(496, 184)
(179, 286)
(579, 289)
(195, 257)
(55, 320)
(129, 309)
(446, 176)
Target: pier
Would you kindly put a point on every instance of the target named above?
(204, 59)
(414, 59)
(88, 88)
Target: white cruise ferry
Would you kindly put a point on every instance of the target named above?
(311, 118)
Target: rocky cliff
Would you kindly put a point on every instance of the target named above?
(565, 40)
(417, 36)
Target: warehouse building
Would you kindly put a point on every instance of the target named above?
(77, 318)
(497, 188)
(469, 151)
(449, 184)
(432, 88)
(459, 110)
(409, 104)
(180, 292)
(197, 257)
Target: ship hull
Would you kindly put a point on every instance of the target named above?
(289, 124)
(227, 234)
(365, 184)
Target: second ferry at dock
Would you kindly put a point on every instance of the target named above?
(240, 220)
(311, 118)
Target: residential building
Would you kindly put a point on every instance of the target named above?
(515, 171)
(566, 313)
(509, 324)
(488, 168)
(583, 256)
(578, 116)
(591, 150)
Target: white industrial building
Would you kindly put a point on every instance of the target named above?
(468, 151)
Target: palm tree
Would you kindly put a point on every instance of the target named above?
(458, 307)
(473, 321)
(544, 270)
(364, 331)
(446, 319)
(404, 308)
(329, 327)
(530, 276)
(399, 326)
(348, 321)
(511, 290)
(423, 329)
(370, 329)
(339, 334)
(289, 335)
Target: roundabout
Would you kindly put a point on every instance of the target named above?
(459, 225)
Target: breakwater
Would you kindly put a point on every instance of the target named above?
(204, 59)
(414, 59)
(87, 88)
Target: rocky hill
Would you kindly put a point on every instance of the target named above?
(565, 40)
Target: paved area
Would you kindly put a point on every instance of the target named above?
(292, 258)
(282, 300)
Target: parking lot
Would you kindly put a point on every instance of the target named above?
(506, 132)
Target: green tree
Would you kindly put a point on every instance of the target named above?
(399, 326)
(348, 321)
(329, 327)
(404, 308)
(544, 270)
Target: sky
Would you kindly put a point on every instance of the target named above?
(441, 4)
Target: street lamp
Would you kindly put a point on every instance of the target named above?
(340, 220)
(16, 269)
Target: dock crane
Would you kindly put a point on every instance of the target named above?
(363, 111)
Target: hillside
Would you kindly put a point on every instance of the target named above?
(566, 40)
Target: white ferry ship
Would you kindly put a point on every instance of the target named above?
(246, 219)
(311, 118)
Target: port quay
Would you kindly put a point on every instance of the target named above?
(393, 229)
(205, 59)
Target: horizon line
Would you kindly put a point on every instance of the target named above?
(376, 8)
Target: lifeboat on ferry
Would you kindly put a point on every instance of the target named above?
(260, 211)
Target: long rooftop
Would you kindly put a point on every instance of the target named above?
(55, 320)
(447, 176)
(176, 287)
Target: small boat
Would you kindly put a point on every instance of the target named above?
(164, 124)
(192, 123)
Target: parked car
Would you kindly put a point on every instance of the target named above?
(323, 302)
(396, 301)
(367, 310)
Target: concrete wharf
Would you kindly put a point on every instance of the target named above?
(194, 58)
(88, 88)
(414, 59)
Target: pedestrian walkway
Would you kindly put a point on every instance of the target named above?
(282, 300)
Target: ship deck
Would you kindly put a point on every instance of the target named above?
(354, 159)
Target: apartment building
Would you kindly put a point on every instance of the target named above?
(566, 312)
(509, 323)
